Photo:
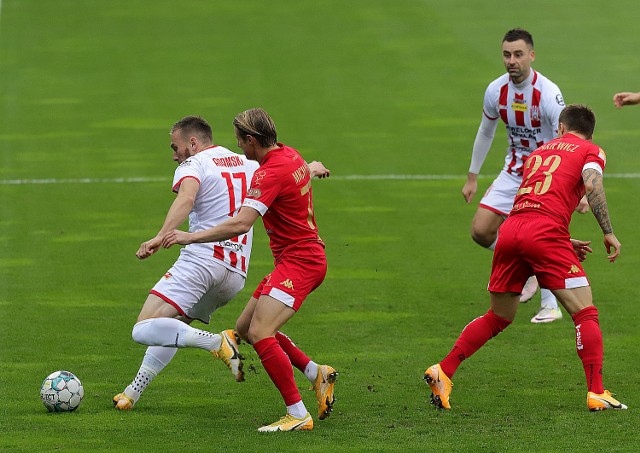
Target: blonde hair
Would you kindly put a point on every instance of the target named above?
(257, 123)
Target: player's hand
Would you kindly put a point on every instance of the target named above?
(626, 98)
(176, 237)
(470, 187)
(583, 206)
(581, 248)
(318, 170)
(148, 248)
(612, 245)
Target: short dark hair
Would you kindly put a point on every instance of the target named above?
(518, 33)
(578, 118)
(257, 123)
(194, 125)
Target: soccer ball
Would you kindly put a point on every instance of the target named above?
(61, 391)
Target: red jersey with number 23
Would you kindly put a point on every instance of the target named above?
(552, 181)
(281, 192)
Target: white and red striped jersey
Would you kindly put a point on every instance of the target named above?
(224, 177)
(530, 112)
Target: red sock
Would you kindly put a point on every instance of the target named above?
(298, 358)
(279, 369)
(472, 338)
(589, 346)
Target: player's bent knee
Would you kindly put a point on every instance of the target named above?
(138, 333)
(482, 238)
(256, 334)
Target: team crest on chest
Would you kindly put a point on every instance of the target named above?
(535, 113)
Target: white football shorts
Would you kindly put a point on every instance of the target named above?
(501, 193)
(197, 286)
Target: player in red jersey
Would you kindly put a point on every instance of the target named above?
(528, 104)
(281, 193)
(535, 240)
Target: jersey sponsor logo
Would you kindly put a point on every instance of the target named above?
(287, 284)
(524, 132)
(518, 106)
(574, 269)
(559, 100)
(236, 246)
(525, 204)
(254, 193)
(167, 276)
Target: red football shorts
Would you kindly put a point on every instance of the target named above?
(531, 244)
(299, 270)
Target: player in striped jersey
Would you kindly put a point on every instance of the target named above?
(280, 193)
(210, 183)
(528, 104)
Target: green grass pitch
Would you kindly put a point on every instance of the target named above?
(88, 91)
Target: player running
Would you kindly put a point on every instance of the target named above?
(281, 193)
(535, 240)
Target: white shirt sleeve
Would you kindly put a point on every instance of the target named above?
(594, 166)
(553, 106)
(482, 143)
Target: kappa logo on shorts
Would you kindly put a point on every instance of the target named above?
(287, 284)
(168, 275)
(574, 269)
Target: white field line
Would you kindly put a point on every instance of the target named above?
(167, 179)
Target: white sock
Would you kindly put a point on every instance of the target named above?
(154, 361)
(311, 371)
(298, 410)
(548, 299)
(171, 332)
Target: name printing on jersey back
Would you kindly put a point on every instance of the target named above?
(229, 161)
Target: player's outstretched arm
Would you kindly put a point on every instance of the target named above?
(177, 214)
(626, 98)
(235, 226)
(598, 204)
(318, 170)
